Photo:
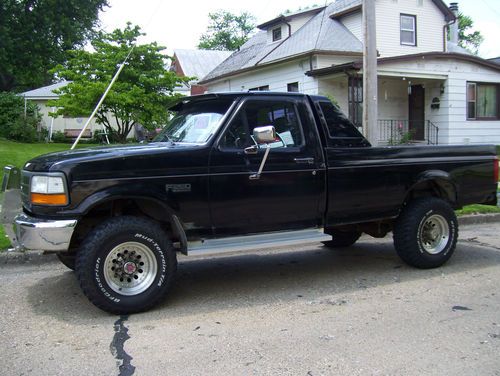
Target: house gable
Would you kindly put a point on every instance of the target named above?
(313, 36)
(429, 16)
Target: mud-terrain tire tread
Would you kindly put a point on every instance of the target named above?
(406, 228)
(86, 255)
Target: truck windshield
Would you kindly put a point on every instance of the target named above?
(195, 122)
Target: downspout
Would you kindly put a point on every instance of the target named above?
(445, 34)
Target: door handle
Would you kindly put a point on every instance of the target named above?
(304, 160)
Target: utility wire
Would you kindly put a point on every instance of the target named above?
(115, 77)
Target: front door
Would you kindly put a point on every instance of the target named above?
(288, 193)
(416, 102)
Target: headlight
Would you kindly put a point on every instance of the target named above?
(48, 190)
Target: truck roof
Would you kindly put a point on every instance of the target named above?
(236, 94)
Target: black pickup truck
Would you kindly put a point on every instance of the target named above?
(240, 171)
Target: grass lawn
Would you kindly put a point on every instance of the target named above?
(478, 209)
(4, 242)
(18, 154)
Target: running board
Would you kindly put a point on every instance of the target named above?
(256, 242)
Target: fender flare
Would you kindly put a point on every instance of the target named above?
(161, 200)
(439, 178)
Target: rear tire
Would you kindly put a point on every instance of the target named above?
(426, 233)
(126, 265)
(342, 238)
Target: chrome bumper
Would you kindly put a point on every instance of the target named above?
(43, 234)
(26, 232)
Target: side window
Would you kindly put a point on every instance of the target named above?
(255, 113)
(338, 125)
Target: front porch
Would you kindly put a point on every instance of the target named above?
(396, 132)
(408, 107)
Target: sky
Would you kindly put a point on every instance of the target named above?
(180, 24)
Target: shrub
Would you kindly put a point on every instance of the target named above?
(59, 137)
(14, 125)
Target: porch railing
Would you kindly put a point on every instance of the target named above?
(432, 133)
(397, 132)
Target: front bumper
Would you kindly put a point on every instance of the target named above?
(43, 234)
(26, 232)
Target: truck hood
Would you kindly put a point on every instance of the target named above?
(118, 161)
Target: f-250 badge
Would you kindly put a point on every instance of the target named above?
(178, 188)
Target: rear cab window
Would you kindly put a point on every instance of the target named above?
(341, 132)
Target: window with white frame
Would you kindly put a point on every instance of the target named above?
(408, 29)
(483, 101)
(292, 87)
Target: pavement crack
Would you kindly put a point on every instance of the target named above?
(477, 242)
(123, 360)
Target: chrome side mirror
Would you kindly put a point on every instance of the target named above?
(262, 135)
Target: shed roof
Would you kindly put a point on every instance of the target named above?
(46, 92)
(198, 63)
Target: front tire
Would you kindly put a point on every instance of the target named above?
(426, 233)
(68, 259)
(126, 265)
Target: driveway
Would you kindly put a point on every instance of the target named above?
(291, 311)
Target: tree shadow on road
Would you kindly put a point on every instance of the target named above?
(232, 282)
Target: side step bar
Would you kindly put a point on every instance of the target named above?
(256, 242)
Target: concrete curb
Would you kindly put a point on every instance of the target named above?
(38, 258)
(28, 258)
(477, 219)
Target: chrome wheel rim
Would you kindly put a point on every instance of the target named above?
(434, 234)
(130, 268)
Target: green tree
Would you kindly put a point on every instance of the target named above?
(35, 34)
(467, 39)
(139, 96)
(227, 31)
(16, 122)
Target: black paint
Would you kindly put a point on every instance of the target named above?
(117, 348)
(346, 182)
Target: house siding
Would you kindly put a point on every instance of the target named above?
(451, 117)
(277, 77)
(62, 123)
(354, 22)
(430, 23)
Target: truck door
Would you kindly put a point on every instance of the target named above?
(289, 193)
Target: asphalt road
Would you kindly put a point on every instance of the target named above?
(295, 311)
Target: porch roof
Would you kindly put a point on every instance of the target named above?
(358, 65)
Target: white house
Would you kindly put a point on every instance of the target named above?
(428, 87)
(68, 125)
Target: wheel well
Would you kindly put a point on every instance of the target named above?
(434, 188)
(113, 208)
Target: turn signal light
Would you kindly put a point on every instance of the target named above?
(47, 199)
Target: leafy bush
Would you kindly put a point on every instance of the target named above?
(59, 137)
(13, 124)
